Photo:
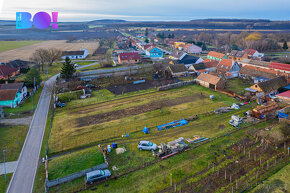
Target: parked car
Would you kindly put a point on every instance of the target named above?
(60, 104)
(97, 175)
(147, 145)
(90, 86)
(81, 87)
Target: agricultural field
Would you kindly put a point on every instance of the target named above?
(10, 45)
(25, 53)
(84, 123)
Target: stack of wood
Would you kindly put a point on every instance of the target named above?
(264, 110)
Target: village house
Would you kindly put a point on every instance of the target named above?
(198, 68)
(7, 72)
(228, 68)
(189, 60)
(154, 52)
(178, 44)
(253, 53)
(177, 70)
(237, 55)
(256, 74)
(284, 96)
(210, 65)
(20, 87)
(177, 55)
(190, 48)
(270, 86)
(9, 98)
(212, 55)
(81, 54)
(210, 81)
(128, 58)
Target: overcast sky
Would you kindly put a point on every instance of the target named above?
(150, 10)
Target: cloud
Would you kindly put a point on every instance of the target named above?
(82, 10)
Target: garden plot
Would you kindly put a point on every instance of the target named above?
(67, 133)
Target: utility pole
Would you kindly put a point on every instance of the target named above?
(4, 164)
(47, 72)
(33, 92)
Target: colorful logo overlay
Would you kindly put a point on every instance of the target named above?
(41, 20)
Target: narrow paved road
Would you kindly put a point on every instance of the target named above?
(23, 179)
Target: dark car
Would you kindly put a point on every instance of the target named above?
(90, 86)
(81, 87)
(60, 104)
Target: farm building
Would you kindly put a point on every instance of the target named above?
(210, 65)
(20, 87)
(285, 96)
(7, 72)
(128, 58)
(270, 86)
(191, 48)
(237, 55)
(228, 68)
(280, 66)
(253, 72)
(177, 70)
(216, 56)
(9, 98)
(210, 81)
(81, 54)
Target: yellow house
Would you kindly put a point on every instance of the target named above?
(178, 44)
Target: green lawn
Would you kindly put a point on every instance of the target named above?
(9, 45)
(25, 108)
(3, 185)
(277, 183)
(82, 63)
(66, 133)
(74, 162)
(52, 70)
(11, 140)
(237, 85)
(93, 67)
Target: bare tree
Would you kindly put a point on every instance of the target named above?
(46, 56)
(53, 55)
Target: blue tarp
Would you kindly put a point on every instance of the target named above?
(282, 115)
(173, 124)
(145, 130)
(287, 87)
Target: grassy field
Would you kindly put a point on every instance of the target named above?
(279, 182)
(83, 122)
(10, 45)
(3, 185)
(157, 177)
(71, 163)
(11, 140)
(237, 85)
(93, 67)
(25, 108)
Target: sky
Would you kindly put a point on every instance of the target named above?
(149, 10)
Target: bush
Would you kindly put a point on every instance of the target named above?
(68, 96)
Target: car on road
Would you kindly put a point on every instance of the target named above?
(97, 175)
(81, 87)
(147, 145)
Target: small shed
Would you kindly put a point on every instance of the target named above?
(210, 81)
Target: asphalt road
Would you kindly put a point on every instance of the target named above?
(23, 179)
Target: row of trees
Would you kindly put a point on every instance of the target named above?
(46, 57)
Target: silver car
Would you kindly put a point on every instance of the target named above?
(147, 145)
(97, 175)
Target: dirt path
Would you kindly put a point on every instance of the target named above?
(122, 113)
(18, 121)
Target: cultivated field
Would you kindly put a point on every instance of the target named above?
(82, 122)
(9, 45)
(25, 52)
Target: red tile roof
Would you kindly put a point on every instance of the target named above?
(280, 66)
(129, 56)
(7, 70)
(250, 52)
(208, 78)
(148, 46)
(225, 65)
(7, 95)
(210, 63)
(285, 94)
(216, 54)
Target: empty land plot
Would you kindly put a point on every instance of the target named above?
(9, 45)
(84, 125)
(25, 52)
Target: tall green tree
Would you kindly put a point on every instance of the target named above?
(285, 46)
(30, 75)
(146, 32)
(146, 41)
(67, 69)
